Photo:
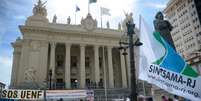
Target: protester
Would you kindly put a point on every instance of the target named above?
(127, 99)
(60, 99)
(176, 98)
(170, 99)
(164, 98)
(149, 99)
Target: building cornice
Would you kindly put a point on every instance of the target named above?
(62, 29)
(169, 5)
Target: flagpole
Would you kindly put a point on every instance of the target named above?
(75, 17)
(101, 17)
(88, 7)
(143, 83)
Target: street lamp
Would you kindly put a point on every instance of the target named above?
(50, 79)
(130, 45)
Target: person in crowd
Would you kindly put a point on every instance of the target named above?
(149, 99)
(164, 98)
(127, 98)
(170, 99)
(176, 98)
(60, 99)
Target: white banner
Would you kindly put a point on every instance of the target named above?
(22, 94)
(66, 94)
(162, 66)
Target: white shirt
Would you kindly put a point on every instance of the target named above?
(127, 99)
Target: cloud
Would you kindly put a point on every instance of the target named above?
(65, 8)
(19, 17)
(2, 31)
(5, 68)
(5, 61)
(9, 19)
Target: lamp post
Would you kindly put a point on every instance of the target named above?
(50, 79)
(130, 31)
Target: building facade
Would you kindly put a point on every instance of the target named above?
(184, 15)
(194, 60)
(66, 56)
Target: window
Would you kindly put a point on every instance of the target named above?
(190, 46)
(189, 1)
(193, 5)
(87, 61)
(73, 61)
(59, 80)
(197, 27)
(60, 57)
(100, 62)
(195, 20)
(181, 50)
(60, 63)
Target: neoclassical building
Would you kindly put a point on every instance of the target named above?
(67, 56)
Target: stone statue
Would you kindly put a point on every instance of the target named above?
(54, 19)
(30, 75)
(39, 9)
(95, 22)
(119, 26)
(164, 27)
(68, 20)
(129, 18)
(108, 24)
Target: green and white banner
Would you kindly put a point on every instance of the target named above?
(162, 66)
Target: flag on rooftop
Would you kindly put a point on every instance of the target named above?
(92, 1)
(105, 11)
(77, 8)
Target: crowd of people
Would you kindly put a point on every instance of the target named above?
(94, 85)
(175, 98)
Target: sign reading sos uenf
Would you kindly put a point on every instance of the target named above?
(22, 94)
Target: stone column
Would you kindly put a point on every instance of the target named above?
(16, 57)
(123, 70)
(128, 68)
(43, 61)
(82, 66)
(67, 67)
(15, 65)
(52, 60)
(23, 61)
(96, 64)
(110, 67)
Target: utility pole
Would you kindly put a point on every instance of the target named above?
(124, 44)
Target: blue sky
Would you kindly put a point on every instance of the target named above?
(14, 13)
